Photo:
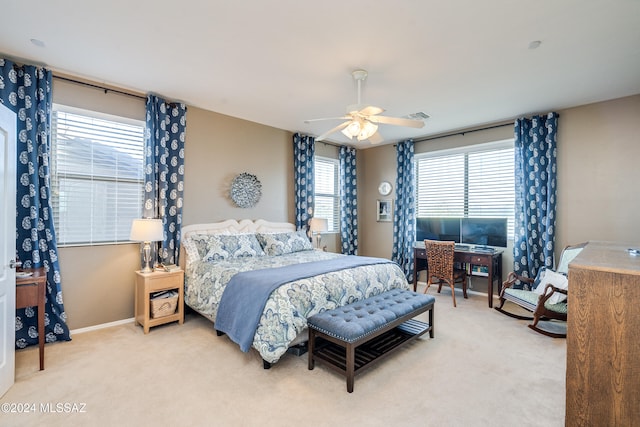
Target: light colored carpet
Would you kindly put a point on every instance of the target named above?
(481, 369)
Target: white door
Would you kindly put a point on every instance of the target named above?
(7, 248)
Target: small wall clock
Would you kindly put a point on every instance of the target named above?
(384, 188)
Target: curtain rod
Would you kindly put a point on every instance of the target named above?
(94, 86)
(463, 132)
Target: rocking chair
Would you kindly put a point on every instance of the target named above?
(547, 297)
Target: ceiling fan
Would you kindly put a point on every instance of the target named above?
(362, 121)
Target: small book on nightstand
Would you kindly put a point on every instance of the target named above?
(169, 268)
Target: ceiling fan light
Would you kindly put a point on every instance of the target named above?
(367, 130)
(352, 129)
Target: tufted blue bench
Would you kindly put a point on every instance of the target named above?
(351, 337)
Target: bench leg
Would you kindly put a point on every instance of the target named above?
(431, 330)
(310, 348)
(351, 363)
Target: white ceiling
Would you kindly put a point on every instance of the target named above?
(278, 62)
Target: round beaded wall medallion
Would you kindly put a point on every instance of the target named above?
(246, 190)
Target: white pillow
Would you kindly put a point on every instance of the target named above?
(191, 249)
(558, 280)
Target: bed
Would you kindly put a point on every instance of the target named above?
(216, 258)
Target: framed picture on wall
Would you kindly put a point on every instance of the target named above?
(385, 210)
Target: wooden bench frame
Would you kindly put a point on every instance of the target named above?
(350, 358)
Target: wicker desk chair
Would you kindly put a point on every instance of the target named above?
(440, 267)
(540, 303)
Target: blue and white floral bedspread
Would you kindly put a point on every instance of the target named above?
(286, 312)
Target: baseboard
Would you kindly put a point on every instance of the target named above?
(469, 291)
(101, 326)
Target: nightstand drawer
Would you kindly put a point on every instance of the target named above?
(164, 281)
(421, 253)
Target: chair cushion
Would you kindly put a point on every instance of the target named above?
(531, 298)
(559, 280)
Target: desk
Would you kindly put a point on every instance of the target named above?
(30, 292)
(491, 260)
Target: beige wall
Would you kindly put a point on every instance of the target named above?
(597, 195)
(219, 147)
(598, 166)
(374, 166)
(97, 281)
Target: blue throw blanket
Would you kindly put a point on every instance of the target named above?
(246, 294)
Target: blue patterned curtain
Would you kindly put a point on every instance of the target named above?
(26, 90)
(404, 217)
(164, 171)
(303, 178)
(535, 188)
(348, 201)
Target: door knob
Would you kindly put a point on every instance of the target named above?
(14, 264)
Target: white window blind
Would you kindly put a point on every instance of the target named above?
(476, 182)
(97, 176)
(441, 186)
(327, 195)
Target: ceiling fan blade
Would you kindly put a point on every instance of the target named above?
(328, 118)
(371, 110)
(335, 129)
(376, 138)
(396, 121)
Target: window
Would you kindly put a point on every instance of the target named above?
(475, 182)
(327, 196)
(97, 176)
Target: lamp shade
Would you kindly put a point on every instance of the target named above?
(146, 230)
(318, 225)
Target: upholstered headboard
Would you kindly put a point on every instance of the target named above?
(231, 226)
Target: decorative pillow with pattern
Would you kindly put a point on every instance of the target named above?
(275, 244)
(201, 243)
(223, 246)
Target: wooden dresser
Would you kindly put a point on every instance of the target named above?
(603, 337)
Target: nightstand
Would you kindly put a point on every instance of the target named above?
(148, 283)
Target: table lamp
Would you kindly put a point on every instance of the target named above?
(146, 230)
(317, 226)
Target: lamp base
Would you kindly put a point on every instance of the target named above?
(146, 258)
(146, 269)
